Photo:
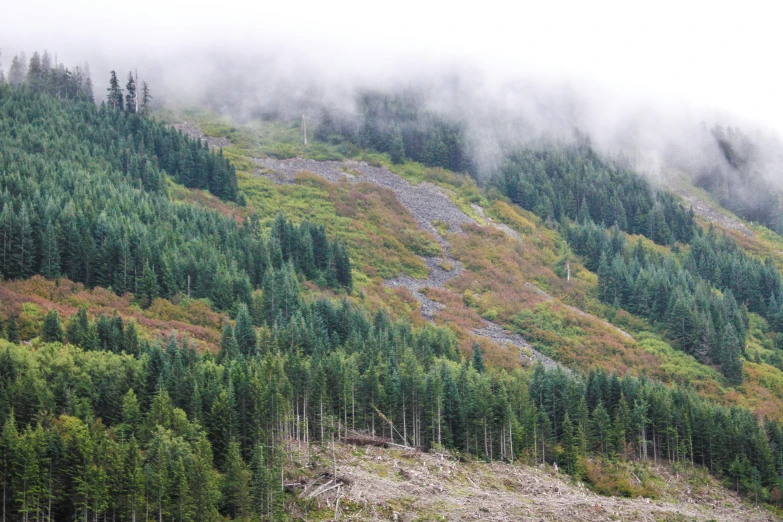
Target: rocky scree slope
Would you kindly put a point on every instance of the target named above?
(428, 205)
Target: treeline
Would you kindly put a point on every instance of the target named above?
(167, 432)
(400, 125)
(137, 146)
(709, 325)
(573, 182)
(83, 195)
(41, 75)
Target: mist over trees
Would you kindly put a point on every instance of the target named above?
(98, 420)
(740, 172)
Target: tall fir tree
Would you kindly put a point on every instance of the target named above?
(130, 94)
(114, 97)
(52, 330)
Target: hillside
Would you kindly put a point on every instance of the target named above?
(207, 320)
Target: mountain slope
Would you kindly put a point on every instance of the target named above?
(375, 308)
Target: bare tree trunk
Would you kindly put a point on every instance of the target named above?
(404, 421)
(511, 439)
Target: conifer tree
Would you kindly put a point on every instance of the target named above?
(88, 87)
(24, 247)
(133, 480)
(52, 331)
(237, 500)
(245, 332)
(229, 349)
(397, 147)
(114, 97)
(12, 329)
(18, 70)
(35, 72)
(149, 289)
(601, 429)
(570, 445)
(9, 461)
(78, 329)
(145, 99)
(478, 359)
(50, 252)
(731, 364)
(130, 94)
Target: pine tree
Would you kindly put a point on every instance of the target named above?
(9, 462)
(88, 88)
(35, 73)
(601, 427)
(24, 249)
(731, 364)
(570, 445)
(622, 425)
(229, 349)
(478, 359)
(130, 94)
(146, 98)
(237, 500)
(245, 332)
(78, 329)
(52, 331)
(158, 472)
(50, 252)
(12, 329)
(133, 479)
(18, 70)
(149, 289)
(397, 147)
(130, 338)
(114, 98)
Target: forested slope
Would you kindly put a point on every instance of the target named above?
(116, 258)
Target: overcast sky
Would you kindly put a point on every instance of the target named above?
(716, 55)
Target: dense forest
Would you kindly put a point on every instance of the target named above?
(83, 192)
(99, 419)
(699, 300)
(574, 182)
(125, 428)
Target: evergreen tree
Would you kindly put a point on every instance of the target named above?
(397, 147)
(146, 98)
(570, 446)
(18, 70)
(237, 500)
(601, 427)
(478, 359)
(23, 256)
(52, 331)
(114, 97)
(229, 349)
(245, 332)
(50, 252)
(731, 364)
(130, 94)
(148, 289)
(12, 329)
(9, 462)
